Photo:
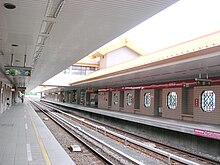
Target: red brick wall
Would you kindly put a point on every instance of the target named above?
(128, 108)
(147, 110)
(103, 100)
(207, 117)
(172, 113)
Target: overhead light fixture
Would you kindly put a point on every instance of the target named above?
(36, 56)
(46, 27)
(9, 6)
(57, 12)
(54, 8)
(41, 40)
(39, 49)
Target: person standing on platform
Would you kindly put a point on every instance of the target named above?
(22, 98)
(8, 103)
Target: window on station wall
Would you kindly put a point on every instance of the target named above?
(147, 100)
(115, 98)
(129, 99)
(172, 100)
(207, 101)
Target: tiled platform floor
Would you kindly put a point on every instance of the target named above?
(25, 140)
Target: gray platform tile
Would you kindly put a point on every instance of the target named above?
(60, 161)
(14, 138)
(21, 162)
(20, 143)
(36, 163)
(1, 157)
(37, 158)
(54, 150)
(21, 151)
(21, 157)
(7, 160)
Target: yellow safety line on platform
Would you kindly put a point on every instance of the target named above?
(43, 150)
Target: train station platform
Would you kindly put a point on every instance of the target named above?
(199, 129)
(25, 139)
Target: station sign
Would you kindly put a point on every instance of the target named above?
(17, 71)
(203, 82)
(21, 88)
(91, 91)
(196, 102)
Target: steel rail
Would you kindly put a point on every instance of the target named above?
(82, 132)
(104, 159)
(183, 152)
(169, 156)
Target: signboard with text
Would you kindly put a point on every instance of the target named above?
(21, 88)
(17, 71)
(206, 133)
(196, 102)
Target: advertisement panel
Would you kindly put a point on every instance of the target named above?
(17, 71)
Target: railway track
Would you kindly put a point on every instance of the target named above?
(106, 153)
(163, 152)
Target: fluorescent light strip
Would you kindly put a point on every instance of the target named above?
(53, 8)
(41, 40)
(46, 27)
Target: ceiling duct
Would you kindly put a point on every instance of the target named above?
(54, 8)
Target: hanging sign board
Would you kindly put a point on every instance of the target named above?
(21, 88)
(17, 71)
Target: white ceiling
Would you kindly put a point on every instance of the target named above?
(79, 28)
